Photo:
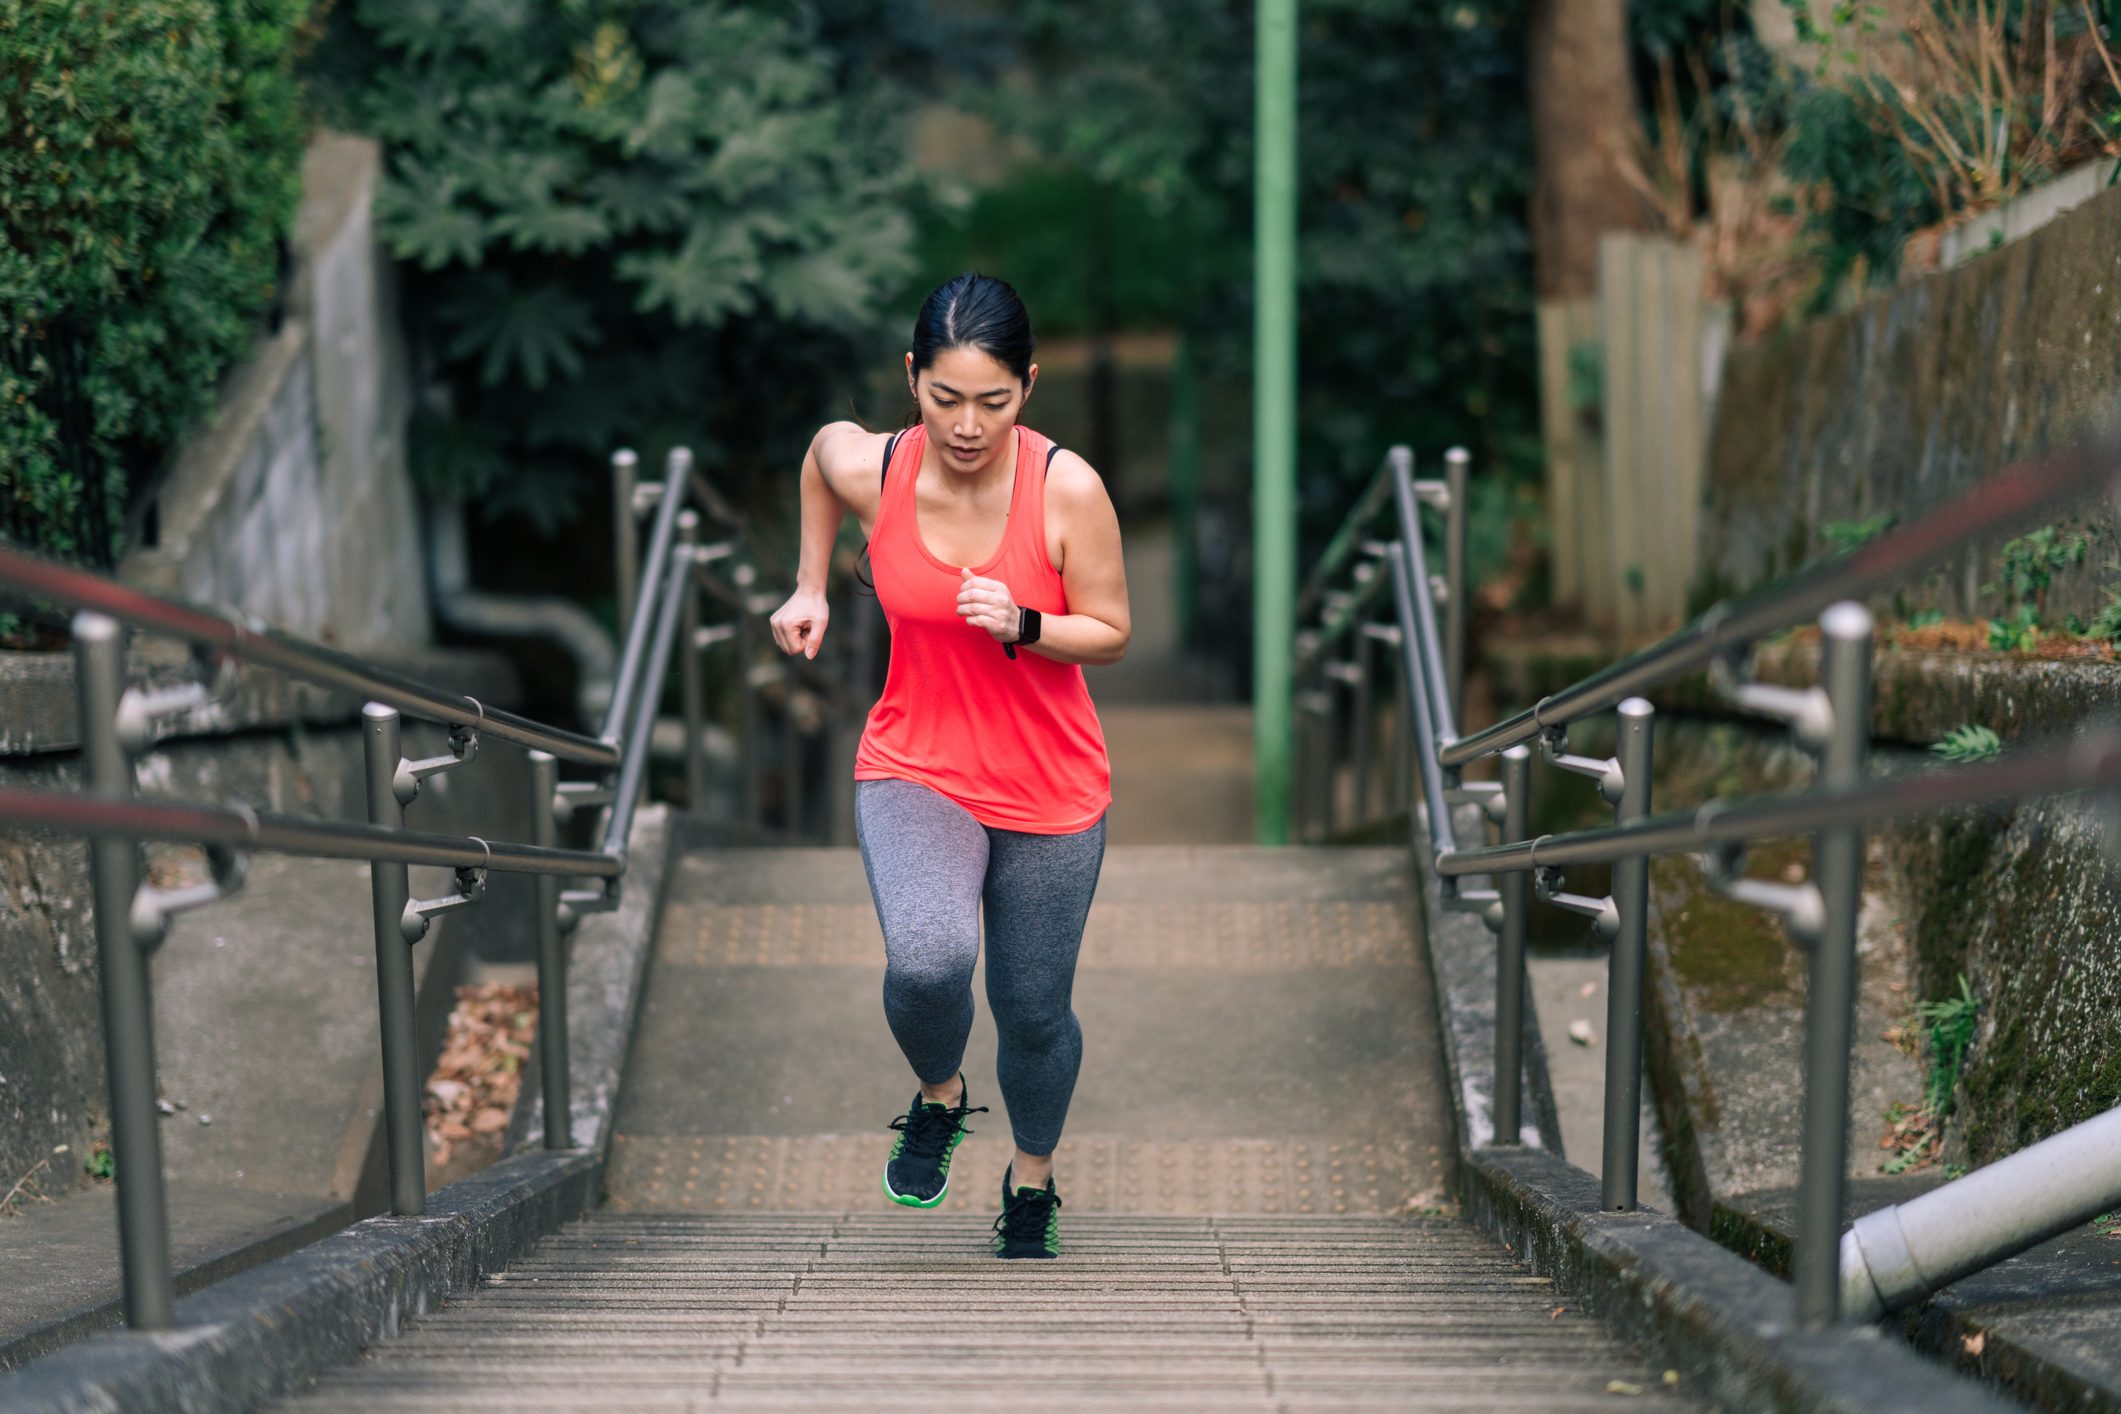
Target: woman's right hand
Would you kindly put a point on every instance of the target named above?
(799, 624)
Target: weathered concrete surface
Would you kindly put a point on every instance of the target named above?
(1911, 398)
(1725, 1324)
(1256, 1023)
(296, 504)
(2044, 1326)
(62, 1260)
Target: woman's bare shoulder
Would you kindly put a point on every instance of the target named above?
(850, 456)
(1072, 483)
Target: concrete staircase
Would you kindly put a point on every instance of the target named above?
(1255, 1180)
(886, 1312)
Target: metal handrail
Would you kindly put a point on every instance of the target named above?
(2019, 494)
(240, 637)
(658, 604)
(268, 832)
(2080, 763)
(1892, 1257)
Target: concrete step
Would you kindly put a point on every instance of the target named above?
(838, 1311)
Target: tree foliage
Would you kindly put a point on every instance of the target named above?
(150, 161)
(1413, 167)
(630, 222)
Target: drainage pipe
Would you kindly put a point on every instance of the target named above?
(1897, 1256)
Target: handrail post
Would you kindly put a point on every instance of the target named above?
(128, 1012)
(1623, 1021)
(690, 687)
(1457, 463)
(747, 700)
(1509, 953)
(1837, 865)
(390, 888)
(552, 957)
(626, 543)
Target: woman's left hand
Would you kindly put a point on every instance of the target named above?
(987, 603)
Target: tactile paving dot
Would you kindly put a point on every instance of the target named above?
(1291, 933)
(825, 1172)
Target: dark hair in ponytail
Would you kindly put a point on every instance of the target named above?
(972, 311)
(975, 311)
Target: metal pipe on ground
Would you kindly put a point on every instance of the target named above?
(1896, 1256)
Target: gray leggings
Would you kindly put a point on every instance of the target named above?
(930, 866)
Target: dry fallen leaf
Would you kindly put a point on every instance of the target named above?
(1556, 1312)
(1974, 1344)
(1581, 1033)
(1622, 1387)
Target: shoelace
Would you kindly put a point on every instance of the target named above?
(1024, 1216)
(927, 1131)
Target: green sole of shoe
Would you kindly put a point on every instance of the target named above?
(915, 1202)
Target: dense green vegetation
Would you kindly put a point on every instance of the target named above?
(628, 223)
(150, 161)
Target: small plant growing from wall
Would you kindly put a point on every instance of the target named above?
(2025, 571)
(1946, 1029)
(1968, 742)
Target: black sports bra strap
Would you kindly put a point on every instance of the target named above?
(887, 459)
(1052, 451)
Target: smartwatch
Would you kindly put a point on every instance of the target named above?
(1026, 625)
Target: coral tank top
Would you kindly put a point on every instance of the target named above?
(1016, 742)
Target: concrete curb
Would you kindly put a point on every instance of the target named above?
(267, 1332)
(1724, 1324)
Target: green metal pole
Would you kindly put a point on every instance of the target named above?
(1274, 413)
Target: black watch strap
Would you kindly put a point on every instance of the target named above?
(1026, 625)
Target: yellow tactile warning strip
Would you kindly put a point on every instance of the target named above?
(1251, 934)
(1095, 1174)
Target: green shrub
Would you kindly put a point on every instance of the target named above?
(631, 222)
(150, 164)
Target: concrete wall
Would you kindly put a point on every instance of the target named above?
(1905, 402)
(296, 505)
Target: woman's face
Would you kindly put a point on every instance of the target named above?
(968, 402)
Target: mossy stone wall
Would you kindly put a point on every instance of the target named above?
(1908, 400)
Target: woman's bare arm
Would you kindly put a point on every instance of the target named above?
(831, 487)
(1098, 624)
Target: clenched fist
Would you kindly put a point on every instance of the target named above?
(799, 625)
(987, 603)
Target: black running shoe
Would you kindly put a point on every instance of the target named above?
(918, 1171)
(1030, 1222)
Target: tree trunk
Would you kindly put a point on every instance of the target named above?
(1583, 123)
